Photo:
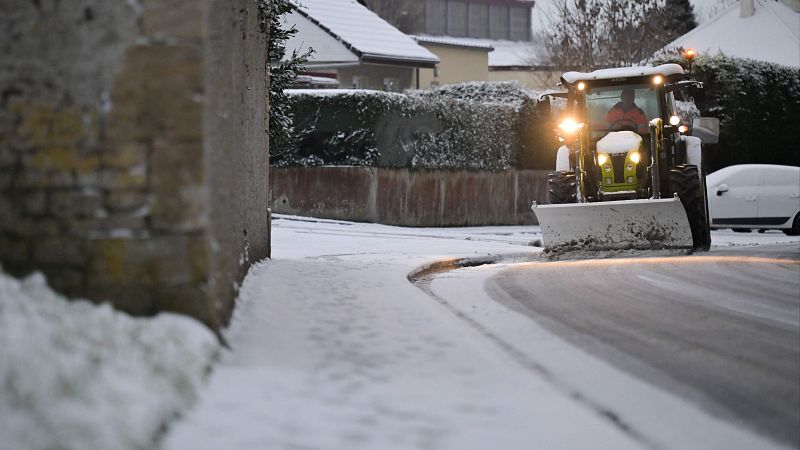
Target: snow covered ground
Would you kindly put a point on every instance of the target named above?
(333, 347)
(74, 375)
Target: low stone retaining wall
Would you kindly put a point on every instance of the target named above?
(131, 140)
(423, 198)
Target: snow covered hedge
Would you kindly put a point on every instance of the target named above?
(758, 105)
(77, 375)
(480, 126)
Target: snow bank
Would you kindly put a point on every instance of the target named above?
(78, 375)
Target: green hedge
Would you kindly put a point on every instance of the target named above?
(478, 126)
(758, 105)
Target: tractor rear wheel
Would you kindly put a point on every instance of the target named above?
(561, 187)
(685, 180)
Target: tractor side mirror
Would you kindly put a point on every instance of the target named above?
(707, 129)
(721, 189)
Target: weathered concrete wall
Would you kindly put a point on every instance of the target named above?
(409, 198)
(236, 145)
(106, 138)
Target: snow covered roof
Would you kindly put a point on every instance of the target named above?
(446, 40)
(505, 54)
(771, 34)
(362, 32)
(624, 72)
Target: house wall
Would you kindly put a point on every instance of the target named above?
(128, 132)
(532, 79)
(419, 198)
(373, 76)
(458, 64)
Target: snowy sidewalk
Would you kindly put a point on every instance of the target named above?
(334, 348)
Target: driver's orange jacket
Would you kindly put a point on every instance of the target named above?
(633, 116)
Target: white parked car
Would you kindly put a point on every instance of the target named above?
(755, 196)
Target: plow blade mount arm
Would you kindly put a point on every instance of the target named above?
(615, 225)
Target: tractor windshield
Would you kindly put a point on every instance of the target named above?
(614, 108)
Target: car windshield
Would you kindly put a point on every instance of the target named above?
(607, 110)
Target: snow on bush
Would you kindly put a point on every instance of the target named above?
(757, 103)
(78, 375)
(477, 126)
(508, 93)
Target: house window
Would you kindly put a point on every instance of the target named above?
(477, 18)
(498, 22)
(478, 25)
(456, 18)
(435, 17)
(520, 26)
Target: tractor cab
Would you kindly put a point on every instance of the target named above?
(615, 108)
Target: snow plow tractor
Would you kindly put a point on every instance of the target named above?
(627, 176)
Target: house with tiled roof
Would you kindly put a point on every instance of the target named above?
(355, 47)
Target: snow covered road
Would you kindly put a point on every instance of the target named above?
(332, 347)
(721, 330)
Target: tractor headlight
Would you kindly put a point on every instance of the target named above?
(629, 166)
(674, 120)
(635, 157)
(609, 181)
(630, 180)
(602, 158)
(569, 126)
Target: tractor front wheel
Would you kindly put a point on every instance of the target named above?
(562, 187)
(685, 180)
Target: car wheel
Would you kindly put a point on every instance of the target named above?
(795, 230)
(562, 187)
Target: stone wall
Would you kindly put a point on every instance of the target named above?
(424, 198)
(114, 117)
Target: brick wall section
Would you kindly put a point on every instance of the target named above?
(109, 116)
(409, 198)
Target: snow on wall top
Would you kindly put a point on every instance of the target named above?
(363, 32)
(623, 72)
(772, 34)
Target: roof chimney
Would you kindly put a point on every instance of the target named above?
(746, 8)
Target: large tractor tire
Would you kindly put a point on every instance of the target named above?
(562, 187)
(685, 179)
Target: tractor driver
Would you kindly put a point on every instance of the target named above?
(625, 114)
